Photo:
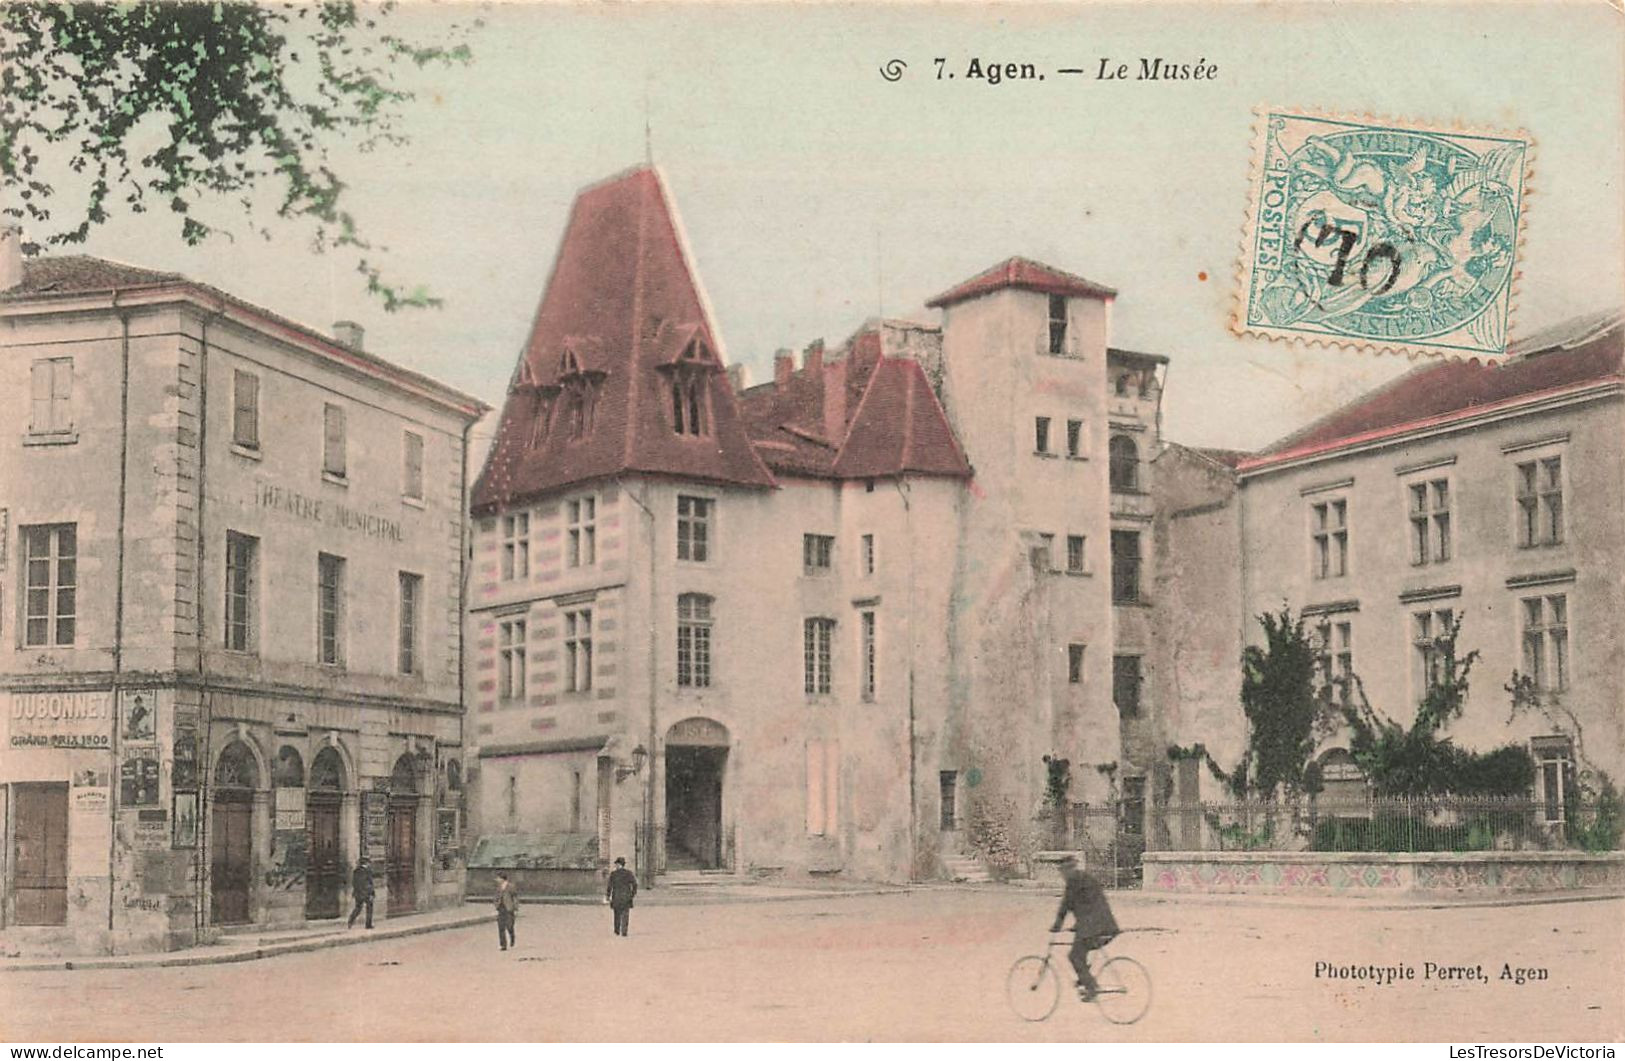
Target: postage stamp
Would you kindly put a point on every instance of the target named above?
(1382, 235)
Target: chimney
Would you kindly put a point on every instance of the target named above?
(11, 257)
(812, 358)
(835, 401)
(738, 377)
(784, 364)
(348, 333)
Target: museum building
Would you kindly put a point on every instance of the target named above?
(831, 624)
(230, 594)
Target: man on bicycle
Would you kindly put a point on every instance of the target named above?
(1092, 923)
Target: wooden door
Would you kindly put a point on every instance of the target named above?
(232, 861)
(40, 854)
(324, 876)
(402, 854)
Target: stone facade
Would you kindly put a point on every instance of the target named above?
(179, 759)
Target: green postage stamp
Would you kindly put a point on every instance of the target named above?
(1382, 235)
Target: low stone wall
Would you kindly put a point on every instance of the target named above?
(532, 881)
(1375, 873)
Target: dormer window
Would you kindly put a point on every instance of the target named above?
(688, 404)
(1057, 324)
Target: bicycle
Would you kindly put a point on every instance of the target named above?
(1034, 988)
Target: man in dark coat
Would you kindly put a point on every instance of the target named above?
(619, 893)
(507, 904)
(1092, 922)
(361, 890)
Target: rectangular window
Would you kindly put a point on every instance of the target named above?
(866, 557)
(818, 639)
(1074, 664)
(1041, 434)
(578, 650)
(411, 605)
(694, 528)
(511, 656)
(516, 546)
(1133, 808)
(1043, 554)
(245, 409)
(242, 555)
(333, 456)
(1431, 632)
(412, 466)
(575, 801)
(1430, 521)
(1540, 502)
(1074, 554)
(1331, 539)
(1546, 641)
(823, 784)
(1074, 438)
(50, 584)
(817, 553)
(1125, 566)
(1555, 756)
(581, 541)
(694, 641)
(51, 404)
(1057, 324)
(866, 655)
(1126, 685)
(1334, 655)
(948, 793)
(329, 608)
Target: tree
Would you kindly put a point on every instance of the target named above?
(1283, 705)
(174, 105)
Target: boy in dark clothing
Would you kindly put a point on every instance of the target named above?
(618, 893)
(507, 904)
(1092, 923)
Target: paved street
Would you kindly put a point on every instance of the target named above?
(922, 966)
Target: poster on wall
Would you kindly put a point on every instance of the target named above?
(290, 810)
(152, 830)
(138, 715)
(374, 821)
(185, 819)
(184, 772)
(138, 780)
(90, 790)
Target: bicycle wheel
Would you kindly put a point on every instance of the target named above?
(1125, 990)
(1032, 987)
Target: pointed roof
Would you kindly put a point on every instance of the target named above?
(1026, 274)
(861, 415)
(621, 315)
(1571, 356)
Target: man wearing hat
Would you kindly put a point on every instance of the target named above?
(1092, 922)
(361, 890)
(618, 894)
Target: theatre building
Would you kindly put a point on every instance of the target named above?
(830, 624)
(230, 559)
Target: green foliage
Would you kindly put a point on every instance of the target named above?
(1417, 759)
(1057, 781)
(1400, 833)
(166, 105)
(1606, 828)
(1279, 698)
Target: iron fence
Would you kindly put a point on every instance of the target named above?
(1392, 824)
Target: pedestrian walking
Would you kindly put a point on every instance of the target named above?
(361, 890)
(507, 904)
(622, 887)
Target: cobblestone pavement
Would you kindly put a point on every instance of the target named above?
(929, 965)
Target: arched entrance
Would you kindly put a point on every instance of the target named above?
(231, 857)
(696, 756)
(401, 851)
(324, 801)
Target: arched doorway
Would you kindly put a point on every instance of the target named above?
(231, 858)
(401, 850)
(696, 756)
(324, 800)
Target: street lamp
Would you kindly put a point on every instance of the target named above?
(640, 755)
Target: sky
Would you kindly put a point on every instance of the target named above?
(816, 194)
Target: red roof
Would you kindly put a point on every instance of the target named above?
(79, 273)
(620, 310)
(1023, 273)
(859, 416)
(1578, 354)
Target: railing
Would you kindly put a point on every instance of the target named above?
(1391, 824)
